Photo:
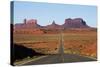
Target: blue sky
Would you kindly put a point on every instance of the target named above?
(45, 13)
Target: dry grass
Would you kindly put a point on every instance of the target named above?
(81, 43)
(46, 43)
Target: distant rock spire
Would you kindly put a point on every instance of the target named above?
(53, 22)
(25, 21)
(68, 23)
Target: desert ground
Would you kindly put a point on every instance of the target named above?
(81, 42)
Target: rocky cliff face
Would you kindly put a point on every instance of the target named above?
(53, 26)
(69, 23)
(75, 23)
(31, 26)
(27, 24)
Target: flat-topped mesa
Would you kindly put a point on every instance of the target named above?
(75, 23)
(31, 21)
(80, 20)
(27, 24)
(28, 27)
(69, 23)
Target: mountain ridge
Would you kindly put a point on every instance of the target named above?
(69, 23)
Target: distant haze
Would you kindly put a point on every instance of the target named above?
(45, 13)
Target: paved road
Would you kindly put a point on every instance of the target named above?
(51, 59)
(60, 57)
